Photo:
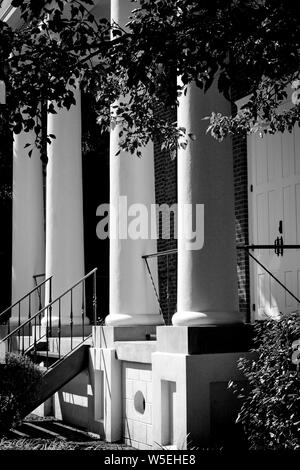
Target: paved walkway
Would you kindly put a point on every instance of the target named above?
(49, 433)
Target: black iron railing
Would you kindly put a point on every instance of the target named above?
(35, 278)
(24, 307)
(164, 296)
(278, 248)
(163, 291)
(55, 320)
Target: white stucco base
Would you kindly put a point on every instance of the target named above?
(183, 388)
(154, 394)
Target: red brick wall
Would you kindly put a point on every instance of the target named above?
(239, 144)
(166, 192)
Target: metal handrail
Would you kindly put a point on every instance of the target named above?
(24, 297)
(158, 254)
(47, 306)
(274, 277)
(239, 247)
(266, 247)
(35, 277)
(248, 248)
(27, 295)
(46, 332)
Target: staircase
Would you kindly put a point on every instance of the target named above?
(64, 370)
(50, 337)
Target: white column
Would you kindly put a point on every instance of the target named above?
(207, 277)
(64, 207)
(28, 238)
(132, 298)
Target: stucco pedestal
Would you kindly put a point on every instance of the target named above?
(182, 378)
(191, 370)
(120, 363)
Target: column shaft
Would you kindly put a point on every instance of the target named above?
(64, 208)
(207, 277)
(132, 297)
(28, 238)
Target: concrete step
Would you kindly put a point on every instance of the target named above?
(66, 431)
(32, 429)
(65, 343)
(51, 428)
(54, 352)
(17, 434)
(45, 354)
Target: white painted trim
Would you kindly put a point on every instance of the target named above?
(250, 225)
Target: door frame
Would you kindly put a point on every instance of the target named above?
(251, 225)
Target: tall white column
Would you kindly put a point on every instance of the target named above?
(28, 237)
(64, 207)
(132, 298)
(207, 277)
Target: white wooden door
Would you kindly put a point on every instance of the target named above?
(274, 196)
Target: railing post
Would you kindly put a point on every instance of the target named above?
(35, 339)
(59, 325)
(145, 258)
(50, 308)
(23, 340)
(18, 304)
(71, 318)
(45, 329)
(83, 306)
(168, 291)
(40, 297)
(47, 338)
(29, 306)
(95, 297)
(19, 323)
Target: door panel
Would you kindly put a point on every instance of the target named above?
(274, 210)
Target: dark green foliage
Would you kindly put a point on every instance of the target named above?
(20, 381)
(248, 44)
(270, 411)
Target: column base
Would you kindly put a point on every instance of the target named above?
(127, 319)
(209, 339)
(207, 318)
(14, 323)
(107, 336)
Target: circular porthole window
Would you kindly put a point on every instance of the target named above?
(139, 402)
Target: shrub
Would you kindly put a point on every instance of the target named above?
(20, 381)
(270, 411)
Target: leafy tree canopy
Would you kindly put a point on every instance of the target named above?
(247, 45)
